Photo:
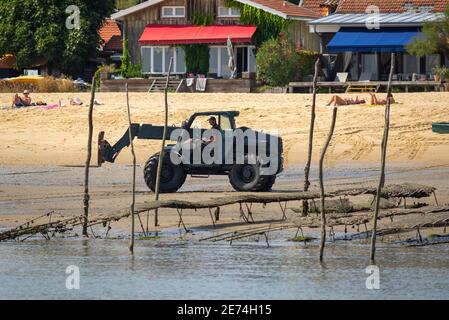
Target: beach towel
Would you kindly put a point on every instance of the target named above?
(49, 107)
(201, 84)
(190, 82)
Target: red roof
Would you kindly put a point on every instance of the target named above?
(314, 5)
(317, 5)
(392, 6)
(156, 34)
(287, 8)
(111, 35)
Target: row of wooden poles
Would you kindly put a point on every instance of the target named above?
(306, 171)
(384, 145)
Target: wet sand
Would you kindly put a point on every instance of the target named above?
(43, 151)
(28, 192)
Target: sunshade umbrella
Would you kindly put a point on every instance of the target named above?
(231, 64)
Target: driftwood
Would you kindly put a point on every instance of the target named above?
(432, 217)
(63, 225)
(406, 190)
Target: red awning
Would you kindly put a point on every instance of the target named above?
(156, 34)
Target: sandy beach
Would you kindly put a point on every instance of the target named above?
(43, 151)
(58, 137)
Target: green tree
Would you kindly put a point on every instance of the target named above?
(434, 38)
(30, 29)
(277, 62)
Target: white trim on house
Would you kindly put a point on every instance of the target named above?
(174, 8)
(273, 11)
(122, 13)
(229, 12)
(164, 48)
(141, 6)
(334, 22)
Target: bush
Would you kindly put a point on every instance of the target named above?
(128, 69)
(101, 69)
(47, 85)
(307, 61)
(197, 58)
(277, 62)
(441, 71)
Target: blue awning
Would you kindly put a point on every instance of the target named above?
(377, 40)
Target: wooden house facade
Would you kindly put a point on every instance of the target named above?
(154, 55)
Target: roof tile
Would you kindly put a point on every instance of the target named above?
(392, 6)
(288, 8)
(111, 35)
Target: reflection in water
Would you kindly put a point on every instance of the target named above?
(179, 270)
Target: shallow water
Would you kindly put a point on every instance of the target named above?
(180, 270)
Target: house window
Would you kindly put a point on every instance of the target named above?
(218, 60)
(173, 12)
(411, 65)
(432, 61)
(156, 60)
(224, 12)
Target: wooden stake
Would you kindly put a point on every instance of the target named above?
(383, 159)
(323, 209)
(164, 138)
(305, 204)
(89, 158)
(133, 203)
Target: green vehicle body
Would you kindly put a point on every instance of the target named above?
(243, 177)
(441, 127)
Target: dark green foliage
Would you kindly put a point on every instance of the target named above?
(128, 69)
(30, 29)
(197, 55)
(277, 62)
(434, 38)
(197, 58)
(302, 239)
(307, 61)
(124, 4)
(269, 26)
(126, 58)
(202, 19)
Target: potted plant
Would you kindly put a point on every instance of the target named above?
(441, 73)
(106, 71)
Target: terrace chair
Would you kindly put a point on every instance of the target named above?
(342, 77)
(364, 84)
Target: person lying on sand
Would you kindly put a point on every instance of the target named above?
(25, 101)
(339, 101)
(381, 102)
(20, 102)
(72, 102)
